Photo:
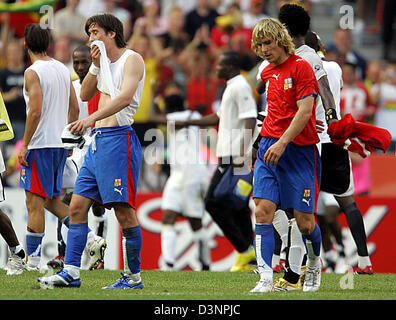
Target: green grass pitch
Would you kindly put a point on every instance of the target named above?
(190, 285)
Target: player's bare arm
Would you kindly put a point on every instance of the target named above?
(207, 121)
(298, 123)
(33, 87)
(133, 73)
(260, 86)
(326, 95)
(74, 110)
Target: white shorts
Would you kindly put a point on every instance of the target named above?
(325, 199)
(187, 200)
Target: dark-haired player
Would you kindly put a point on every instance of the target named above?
(104, 178)
(51, 104)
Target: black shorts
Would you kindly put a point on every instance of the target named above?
(336, 169)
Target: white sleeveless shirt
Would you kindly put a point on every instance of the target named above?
(55, 87)
(125, 116)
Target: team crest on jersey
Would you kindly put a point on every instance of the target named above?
(307, 193)
(288, 83)
(23, 172)
(117, 182)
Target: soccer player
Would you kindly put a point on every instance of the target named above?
(188, 181)
(51, 104)
(336, 174)
(337, 177)
(235, 117)
(95, 244)
(110, 171)
(287, 171)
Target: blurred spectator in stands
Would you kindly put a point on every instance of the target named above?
(145, 46)
(201, 15)
(343, 41)
(373, 74)
(230, 35)
(63, 52)
(176, 35)
(332, 53)
(11, 86)
(202, 85)
(254, 14)
(355, 98)
(383, 96)
(89, 8)
(185, 5)
(112, 6)
(151, 23)
(69, 23)
(222, 5)
(389, 15)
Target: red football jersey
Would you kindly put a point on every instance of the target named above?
(287, 83)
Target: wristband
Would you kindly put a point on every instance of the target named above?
(331, 114)
(94, 69)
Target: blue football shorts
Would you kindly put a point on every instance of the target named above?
(111, 166)
(44, 173)
(293, 184)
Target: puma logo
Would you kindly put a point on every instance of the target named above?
(23, 179)
(306, 201)
(119, 191)
(276, 76)
(299, 60)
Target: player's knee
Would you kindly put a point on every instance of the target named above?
(306, 227)
(264, 214)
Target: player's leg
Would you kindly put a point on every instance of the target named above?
(132, 245)
(311, 231)
(35, 229)
(76, 241)
(16, 264)
(264, 243)
(201, 240)
(355, 222)
(168, 238)
(281, 225)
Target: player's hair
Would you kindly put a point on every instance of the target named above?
(109, 23)
(232, 59)
(295, 18)
(36, 38)
(271, 29)
(82, 48)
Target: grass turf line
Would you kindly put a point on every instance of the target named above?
(190, 285)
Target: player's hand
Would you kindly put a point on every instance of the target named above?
(95, 55)
(22, 156)
(273, 154)
(320, 126)
(78, 127)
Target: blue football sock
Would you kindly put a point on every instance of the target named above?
(133, 246)
(316, 239)
(264, 244)
(66, 221)
(76, 241)
(33, 243)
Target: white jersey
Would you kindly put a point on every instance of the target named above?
(55, 87)
(237, 105)
(125, 116)
(187, 165)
